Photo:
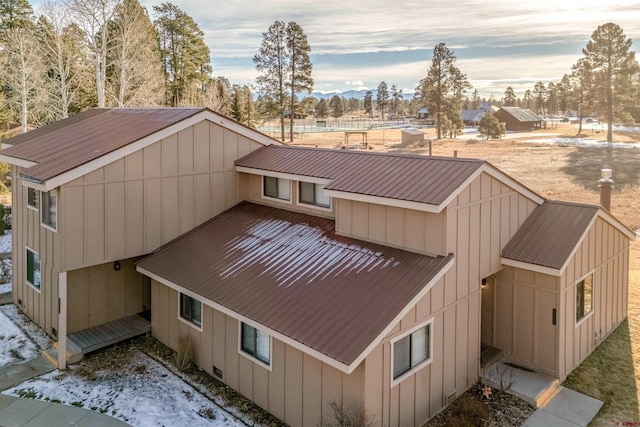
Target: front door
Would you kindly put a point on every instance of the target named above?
(486, 325)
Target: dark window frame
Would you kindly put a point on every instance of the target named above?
(407, 341)
(584, 298)
(188, 312)
(312, 190)
(33, 261)
(249, 333)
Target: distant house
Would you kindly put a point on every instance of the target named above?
(518, 119)
(423, 113)
(472, 117)
(486, 106)
(307, 277)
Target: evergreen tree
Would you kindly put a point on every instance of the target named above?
(336, 107)
(490, 127)
(300, 66)
(552, 98)
(442, 90)
(14, 14)
(528, 99)
(540, 97)
(382, 98)
(284, 67)
(185, 56)
(509, 99)
(475, 100)
(583, 86)
(322, 109)
(612, 61)
(396, 101)
(368, 103)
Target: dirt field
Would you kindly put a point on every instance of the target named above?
(562, 173)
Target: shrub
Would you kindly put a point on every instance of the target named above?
(347, 417)
(184, 353)
(467, 412)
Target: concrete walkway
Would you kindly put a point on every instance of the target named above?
(555, 405)
(17, 412)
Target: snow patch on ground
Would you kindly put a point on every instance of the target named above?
(5, 242)
(146, 394)
(582, 142)
(6, 266)
(20, 340)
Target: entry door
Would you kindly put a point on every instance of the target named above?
(546, 340)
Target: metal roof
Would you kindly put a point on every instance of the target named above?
(69, 143)
(472, 115)
(291, 273)
(522, 114)
(413, 178)
(550, 234)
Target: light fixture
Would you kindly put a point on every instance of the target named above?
(116, 265)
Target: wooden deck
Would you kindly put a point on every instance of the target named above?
(104, 335)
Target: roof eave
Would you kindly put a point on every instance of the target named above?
(282, 175)
(532, 267)
(15, 161)
(90, 166)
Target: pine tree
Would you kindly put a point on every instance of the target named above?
(382, 98)
(490, 127)
(509, 98)
(368, 103)
(540, 97)
(284, 68)
(186, 57)
(322, 109)
(14, 14)
(336, 107)
(612, 61)
(442, 90)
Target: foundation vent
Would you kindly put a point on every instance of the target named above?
(448, 398)
(217, 372)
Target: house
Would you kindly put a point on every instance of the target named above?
(304, 276)
(423, 113)
(518, 119)
(472, 117)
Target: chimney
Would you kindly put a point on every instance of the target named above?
(606, 186)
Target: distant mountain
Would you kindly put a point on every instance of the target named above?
(358, 94)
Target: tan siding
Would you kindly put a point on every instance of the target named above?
(298, 389)
(605, 253)
(40, 305)
(251, 190)
(132, 206)
(99, 294)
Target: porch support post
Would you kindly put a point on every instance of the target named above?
(62, 320)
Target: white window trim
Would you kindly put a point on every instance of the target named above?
(48, 227)
(586, 317)
(275, 199)
(33, 208)
(26, 264)
(251, 357)
(186, 321)
(309, 205)
(423, 364)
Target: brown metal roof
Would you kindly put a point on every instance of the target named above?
(550, 234)
(522, 114)
(397, 176)
(69, 143)
(290, 272)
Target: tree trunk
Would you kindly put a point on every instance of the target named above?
(609, 105)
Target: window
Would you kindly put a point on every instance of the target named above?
(33, 269)
(32, 197)
(191, 310)
(411, 351)
(313, 194)
(277, 188)
(584, 297)
(256, 343)
(50, 209)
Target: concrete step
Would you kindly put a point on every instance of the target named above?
(74, 354)
(533, 387)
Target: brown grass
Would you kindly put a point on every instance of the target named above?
(612, 372)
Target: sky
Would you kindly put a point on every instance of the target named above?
(357, 44)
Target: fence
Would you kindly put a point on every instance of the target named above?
(303, 126)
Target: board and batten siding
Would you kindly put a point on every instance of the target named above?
(135, 204)
(41, 306)
(412, 230)
(452, 370)
(101, 294)
(298, 389)
(251, 191)
(523, 327)
(605, 252)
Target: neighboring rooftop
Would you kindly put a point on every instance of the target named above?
(550, 234)
(414, 178)
(522, 114)
(293, 274)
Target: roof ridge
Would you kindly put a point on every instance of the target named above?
(578, 204)
(380, 153)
